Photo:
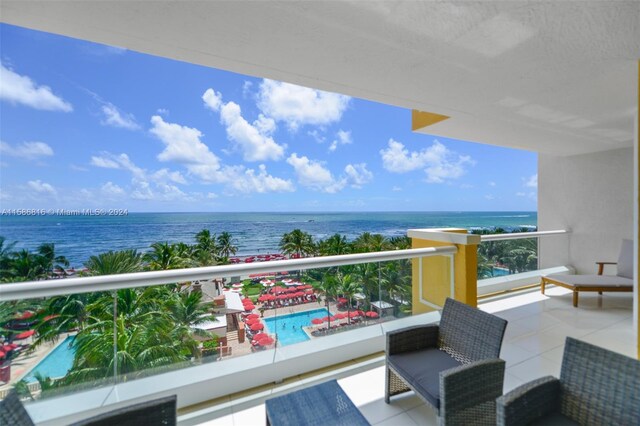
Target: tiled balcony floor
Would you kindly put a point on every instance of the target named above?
(533, 346)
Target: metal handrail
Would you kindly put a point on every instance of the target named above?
(521, 235)
(65, 286)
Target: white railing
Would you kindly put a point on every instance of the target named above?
(65, 286)
(521, 235)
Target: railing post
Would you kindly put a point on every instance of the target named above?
(431, 280)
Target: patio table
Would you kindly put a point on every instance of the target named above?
(321, 405)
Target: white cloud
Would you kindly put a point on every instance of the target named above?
(28, 150)
(492, 183)
(78, 168)
(358, 174)
(183, 145)
(396, 189)
(521, 194)
(315, 134)
(162, 111)
(42, 187)
(164, 175)
(212, 196)
(107, 160)
(489, 197)
(298, 106)
(342, 138)
(20, 89)
(110, 189)
(212, 99)
(246, 88)
(437, 161)
(261, 182)
(113, 117)
(312, 174)
(532, 181)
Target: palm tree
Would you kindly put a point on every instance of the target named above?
(348, 287)
(368, 242)
(51, 262)
(329, 288)
(297, 244)
(399, 243)
(5, 257)
(114, 262)
(26, 265)
(367, 274)
(334, 245)
(226, 247)
(206, 248)
(165, 256)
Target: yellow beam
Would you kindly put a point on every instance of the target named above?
(420, 119)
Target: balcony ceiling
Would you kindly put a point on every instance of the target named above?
(553, 77)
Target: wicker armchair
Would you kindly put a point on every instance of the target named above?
(161, 412)
(453, 366)
(596, 387)
(12, 412)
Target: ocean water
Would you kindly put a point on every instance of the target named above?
(78, 237)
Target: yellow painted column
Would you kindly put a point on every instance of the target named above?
(431, 279)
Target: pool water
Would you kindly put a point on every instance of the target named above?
(288, 328)
(499, 272)
(56, 364)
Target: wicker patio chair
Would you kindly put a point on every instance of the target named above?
(596, 387)
(161, 411)
(453, 366)
(12, 412)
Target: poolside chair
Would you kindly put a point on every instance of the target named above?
(453, 366)
(621, 282)
(596, 387)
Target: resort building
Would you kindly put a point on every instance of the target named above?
(557, 78)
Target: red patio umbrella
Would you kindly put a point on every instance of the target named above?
(25, 315)
(266, 341)
(342, 300)
(257, 326)
(308, 291)
(298, 294)
(317, 321)
(2, 354)
(249, 307)
(354, 314)
(371, 314)
(329, 318)
(259, 336)
(341, 315)
(24, 335)
(251, 321)
(246, 299)
(252, 316)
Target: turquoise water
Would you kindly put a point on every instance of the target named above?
(500, 272)
(288, 328)
(79, 237)
(56, 364)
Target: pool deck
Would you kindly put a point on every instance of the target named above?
(26, 361)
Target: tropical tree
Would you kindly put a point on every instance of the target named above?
(297, 243)
(115, 262)
(164, 256)
(50, 260)
(5, 257)
(334, 245)
(367, 242)
(226, 246)
(206, 248)
(367, 274)
(328, 287)
(26, 265)
(349, 288)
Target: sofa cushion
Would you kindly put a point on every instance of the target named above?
(420, 369)
(554, 419)
(625, 259)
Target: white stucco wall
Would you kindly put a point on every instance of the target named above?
(592, 196)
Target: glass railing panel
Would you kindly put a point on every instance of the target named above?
(56, 345)
(507, 257)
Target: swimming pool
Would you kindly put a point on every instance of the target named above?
(56, 364)
(288, 328)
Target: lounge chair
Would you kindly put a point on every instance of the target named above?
(596, 387)
(622, 281)
(453, 366)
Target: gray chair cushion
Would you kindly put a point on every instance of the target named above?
(554, 419)
(421, 370)
(625, 259)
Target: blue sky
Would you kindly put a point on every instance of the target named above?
(84, 125)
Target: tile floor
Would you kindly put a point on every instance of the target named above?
(532, 347)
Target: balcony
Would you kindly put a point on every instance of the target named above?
(533, 346)
(233, 384)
